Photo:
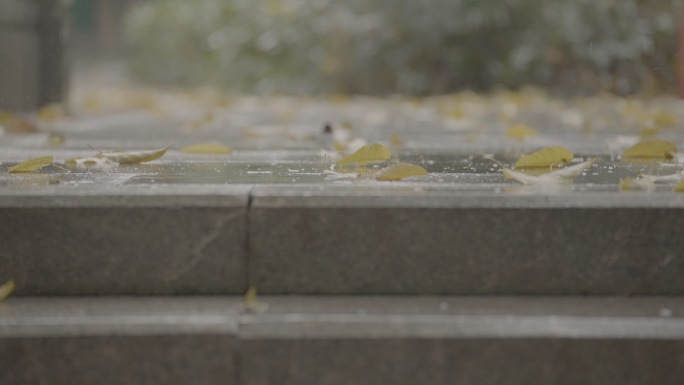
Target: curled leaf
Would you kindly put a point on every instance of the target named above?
(6, 290)
(32, 165)
(558, 176)
(373, 153)
(520, 132)
(651, 149)
(546, 157)
(400, 171)
(207, 148)
(134, 157)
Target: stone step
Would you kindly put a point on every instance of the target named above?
(398, 238)
(427, 240)
(342, 340)
(272, 214)
(134, 240)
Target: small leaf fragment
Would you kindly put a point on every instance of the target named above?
(134, 157)
(400, 171)
(373, 153)
(55, 140)
(6, 290)
(397, 140)
(546, 157)
(563, 175)
(643, 183)
(31, 165)
(651, 149)
(207, 148)
(252, 302)
(626, 184)
(679, 187)
(520, 132)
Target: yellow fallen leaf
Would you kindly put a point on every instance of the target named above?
(51, 112)
(6, 290)
(373, 153)
(397, 140)
(626, 184)
(197, 123)
(14, 123)
(55, 140)
(520, 132)
(651, 149)
(664, 119)
(134, 157)
(649, 131)
(339, 99)
(339, 147)
(546, 157)
(207, 148)
(32, 165)
(92, 103)
(399, 171)
(679, 187)
(455, 112)
(252, 303)
(261, 131)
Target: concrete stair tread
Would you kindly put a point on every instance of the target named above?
(340, 340)
(601, 316)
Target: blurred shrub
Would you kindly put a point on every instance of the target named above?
(405, 46)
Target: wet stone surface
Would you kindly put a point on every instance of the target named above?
(281, 140)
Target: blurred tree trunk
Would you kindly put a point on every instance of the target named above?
(680, 53)
(53, 29)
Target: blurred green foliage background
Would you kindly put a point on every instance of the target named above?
(406, 46)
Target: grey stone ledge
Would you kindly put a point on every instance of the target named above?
(342, 340)
(424, 195)
(118, 316)
(153, 195)
(367, 317)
